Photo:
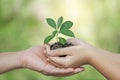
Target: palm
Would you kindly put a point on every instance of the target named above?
(35, 59)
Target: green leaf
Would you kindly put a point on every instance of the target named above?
(54, 33)
(62, 40)
(66, 25)
(48, 38)
(59, 22)
(51, 22)
(67, 33)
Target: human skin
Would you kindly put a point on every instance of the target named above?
(35, 59)
(107, 63)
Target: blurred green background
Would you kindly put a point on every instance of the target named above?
(23, 24)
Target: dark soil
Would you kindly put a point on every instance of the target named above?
(59, 45)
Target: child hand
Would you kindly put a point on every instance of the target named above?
(74, 56)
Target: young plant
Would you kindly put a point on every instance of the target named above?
(59, 27)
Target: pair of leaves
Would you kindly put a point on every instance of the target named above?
(66, 25)
(65, 29)
(52, 23)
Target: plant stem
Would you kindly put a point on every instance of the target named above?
(57, 34)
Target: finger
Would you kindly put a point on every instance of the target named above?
(59, 71)
(55, 64)
(44, 50)
(48, 52)
(79, 69)
(70, 40)
(58, 61)
(45, 45)
(60, 52)
(65, 74)
(76, 70)
(74, 41)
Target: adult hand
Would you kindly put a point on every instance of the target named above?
(35, 59)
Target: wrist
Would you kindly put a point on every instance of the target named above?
(9, 61)
(22, 59)
(17, 59)
(96, 55)
(89, 55)
(85, 55)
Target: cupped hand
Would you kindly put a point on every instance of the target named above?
(76, 55)
(34, 58)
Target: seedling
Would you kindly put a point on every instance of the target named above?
(59, 27)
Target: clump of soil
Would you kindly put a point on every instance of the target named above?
(59, 45)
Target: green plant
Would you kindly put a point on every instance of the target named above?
(60, 27)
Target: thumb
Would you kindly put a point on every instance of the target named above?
(47, 49)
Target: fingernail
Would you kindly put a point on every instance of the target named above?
(79, 70)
